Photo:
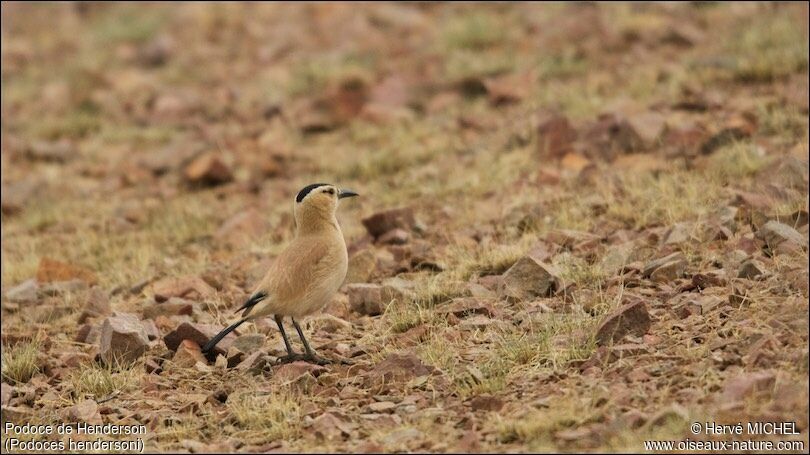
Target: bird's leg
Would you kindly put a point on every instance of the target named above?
(310, 355)
(291, 355)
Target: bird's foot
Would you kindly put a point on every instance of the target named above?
(289, 358)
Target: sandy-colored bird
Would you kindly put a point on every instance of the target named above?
(306, 275)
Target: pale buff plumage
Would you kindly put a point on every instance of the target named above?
(305, 276)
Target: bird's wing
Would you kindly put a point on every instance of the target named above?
(292, 275)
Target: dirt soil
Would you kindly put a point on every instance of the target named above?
(581, 226)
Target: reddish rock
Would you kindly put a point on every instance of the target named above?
(648, 126)
(746, 384)
(486, 403)
(188, 354)
(775, 233)
(25, 292)
(555, 136)
(291, 372)
(97, 305)
(509, 88)
(382, 222)
(173, 307)
(396, 236)
(85, 411)
(361, 266)
(59, 151)
(200, 334)
(256, 362)
(15, 196)
(123, 338)
(574, 162)
(671, 267)
(242, 228)
(208, 169)
(332, 427)
(51, 270)
(189, 287)
(372, 299)
(464, 307)
(401, 368)
(632, 318)
(88, 333)
(529, 278)
(735, 128)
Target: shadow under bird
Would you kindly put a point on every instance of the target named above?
(306, 275)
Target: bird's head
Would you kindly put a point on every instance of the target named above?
(318, 202)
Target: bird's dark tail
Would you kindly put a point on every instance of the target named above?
(213, 341)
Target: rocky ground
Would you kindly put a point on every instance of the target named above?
(581, 226)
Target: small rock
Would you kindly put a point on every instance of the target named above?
(84, 411)
(574, 162)
(632, 318)
(25, 292)
(555, 136)
(673, 266)
(292, 372)
(402, 439)
(709, 279)
(361, 266)
(189, 287)
(6, 392)
(382, 222)
(396, 236)
(669, 271)
(486, 403)
(15, 196)
(774, 233)
(157, 51)
(250, 342)
(173, 307)
(208, 169)
(381, 407)
(464, 307)
(617, 257)
(330, 427)
(62, 287)
(649, 126)
(200, 334)
(529, 278)
(50, 270)
(152, 367)
(372, 299)
(188, 354)
(89, 334)
(255, 363)
(97, 305)
(683, 33)
(123, 338)
(750, 269)
(745, 384)
(58, 152)
(679, 233)
(242, 228)
(401, 368)
(366, 298)
(17, 414)
(151, 329)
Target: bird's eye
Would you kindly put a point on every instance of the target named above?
(329, 191)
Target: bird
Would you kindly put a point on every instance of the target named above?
(305, 275)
